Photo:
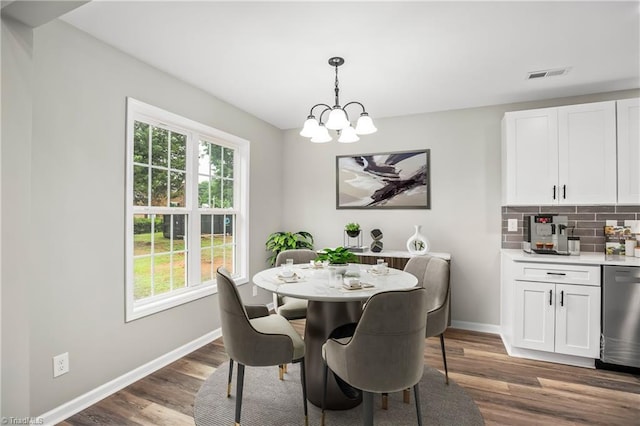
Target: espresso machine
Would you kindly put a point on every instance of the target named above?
(546, 234)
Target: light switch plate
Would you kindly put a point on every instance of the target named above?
(512, 225)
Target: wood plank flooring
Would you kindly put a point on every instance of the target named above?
(508, 391)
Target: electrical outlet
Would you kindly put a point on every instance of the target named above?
(255, 291)
(512, 225)
(60, 364)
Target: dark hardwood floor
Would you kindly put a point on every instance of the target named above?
(508, 391)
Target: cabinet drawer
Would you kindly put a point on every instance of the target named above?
(559, 273)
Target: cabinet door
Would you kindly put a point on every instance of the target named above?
(578, 320)
(587, 153)
(628, 113)
(530, 147)
(534, 316)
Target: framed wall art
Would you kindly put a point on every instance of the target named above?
(386, 180)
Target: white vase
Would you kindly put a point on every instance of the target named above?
(418, 244)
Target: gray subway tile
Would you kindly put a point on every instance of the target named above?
(557, 209)
(628, 209)
(616, 216)
(596, 209)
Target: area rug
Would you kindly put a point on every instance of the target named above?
(269, 401)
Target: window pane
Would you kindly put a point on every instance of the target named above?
(140, 186)
(140, 142)
(142, 232)
(161, 274)
(203, 159)
(216, 160)
(173, 227)
(159, 146)
(178, 151)
(203, 192)
(227, 193)
(206, 264)
(229, 229)
(178, 189)
(159, 187)
(179, 270)
(206, 230)
(216, 192)
(141, 277)
(227, 170)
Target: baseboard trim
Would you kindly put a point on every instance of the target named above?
(78, 404)
(476, 326)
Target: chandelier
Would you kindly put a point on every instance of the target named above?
(338, 119)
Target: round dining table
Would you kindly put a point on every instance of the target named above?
(331, 307)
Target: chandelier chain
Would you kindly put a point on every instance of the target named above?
(337, 104)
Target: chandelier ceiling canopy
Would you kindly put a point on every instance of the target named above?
(337, 119)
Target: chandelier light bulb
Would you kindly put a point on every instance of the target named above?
(310, 127)
(348, 135)
(337, 119)
(321, 135)
(365, 125)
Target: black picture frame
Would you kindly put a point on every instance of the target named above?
(384, 180)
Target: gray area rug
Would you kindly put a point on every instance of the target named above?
(269, 401)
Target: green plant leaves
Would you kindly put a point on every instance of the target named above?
(279, 241)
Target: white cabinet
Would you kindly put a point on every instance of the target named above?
(628, 113)
(560, 155)
(554, 314)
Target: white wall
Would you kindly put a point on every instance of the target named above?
(464, 218)
(64, 288)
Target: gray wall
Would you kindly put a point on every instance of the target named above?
(63, 285)
(465, 217)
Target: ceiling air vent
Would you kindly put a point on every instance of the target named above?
(547, 73)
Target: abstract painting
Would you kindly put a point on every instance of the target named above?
(388, 180)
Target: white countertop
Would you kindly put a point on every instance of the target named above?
(583, 259)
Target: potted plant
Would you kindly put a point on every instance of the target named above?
(353, 229)
(279, 241)
(337, 256)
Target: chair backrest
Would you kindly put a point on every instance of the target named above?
(386, 353)
(433, 275)
(298, 255)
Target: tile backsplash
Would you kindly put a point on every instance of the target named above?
(588, 222)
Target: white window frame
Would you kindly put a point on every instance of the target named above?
(195, 289)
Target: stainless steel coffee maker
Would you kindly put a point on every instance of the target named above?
(546, 234)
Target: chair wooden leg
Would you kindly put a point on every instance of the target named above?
(286, 370)
(303, 380)
(416, 394)
(444, 359)
(406, 396)
(325, 372)
(385, 401)
(281, 371)
(239, 392)
(230, 378)
(367, 408)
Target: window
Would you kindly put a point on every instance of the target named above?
(187, 189)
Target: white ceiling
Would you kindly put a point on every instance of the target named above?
(270, 59)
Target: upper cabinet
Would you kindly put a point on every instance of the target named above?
(629, 151)
(560, 155)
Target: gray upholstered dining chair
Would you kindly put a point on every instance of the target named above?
(290, 307)
(262, 340)
(386, 351)
(433, 275)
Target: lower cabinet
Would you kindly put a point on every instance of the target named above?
(557, 317)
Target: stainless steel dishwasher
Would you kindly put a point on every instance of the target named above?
(620, 341)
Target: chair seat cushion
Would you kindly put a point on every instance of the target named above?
(293, 308)
(276, 324)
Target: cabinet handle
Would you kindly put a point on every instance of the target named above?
(564, 192)
(562, 298)
(550, 297)
(556, 273)
(554, 192)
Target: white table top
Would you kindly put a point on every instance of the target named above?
(314, 284)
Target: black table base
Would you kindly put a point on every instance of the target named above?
(322, 319)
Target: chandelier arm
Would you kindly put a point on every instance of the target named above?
(317, 105)
(354, 102)
(328, 108)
